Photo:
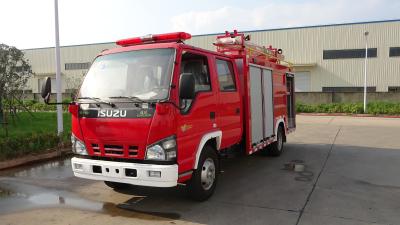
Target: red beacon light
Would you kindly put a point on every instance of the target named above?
(155, 38)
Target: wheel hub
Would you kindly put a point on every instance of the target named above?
(207, 174)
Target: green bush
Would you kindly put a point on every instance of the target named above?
(352, 108)
(383, 108)
(17, 146)
(300, 107)
(40, 107)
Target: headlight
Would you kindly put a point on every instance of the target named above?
(155, 152)
(78, 147)
(162, 150)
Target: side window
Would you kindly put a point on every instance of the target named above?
(226, 77)
(198, 66)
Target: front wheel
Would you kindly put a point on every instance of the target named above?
(204, 178)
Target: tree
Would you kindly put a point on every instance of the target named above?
(14, 73)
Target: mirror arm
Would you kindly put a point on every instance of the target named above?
(61, 103)
(175, 105)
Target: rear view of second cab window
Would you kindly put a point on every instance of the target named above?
(225, 75)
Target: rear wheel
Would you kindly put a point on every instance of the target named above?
(204, 178)
(276, 148)
(116, 185)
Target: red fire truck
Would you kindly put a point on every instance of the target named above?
(158, 112)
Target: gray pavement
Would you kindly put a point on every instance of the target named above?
(351, 177)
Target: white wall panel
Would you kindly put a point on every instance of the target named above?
(302, 81)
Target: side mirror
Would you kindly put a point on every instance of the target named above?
(186, 86)
(46, 90)
(73, 108)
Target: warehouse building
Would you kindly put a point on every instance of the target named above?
(328, 58)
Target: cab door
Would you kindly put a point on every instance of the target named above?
(229, 102)
(197, 116)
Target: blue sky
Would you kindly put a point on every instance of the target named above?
(30, 23)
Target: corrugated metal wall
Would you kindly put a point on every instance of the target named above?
(300, 46)
(43, 63)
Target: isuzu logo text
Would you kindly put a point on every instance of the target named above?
(111, 113)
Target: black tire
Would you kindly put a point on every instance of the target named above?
(116, 185)
(200, 189)
(276, 148)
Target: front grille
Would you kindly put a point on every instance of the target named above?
(127, 160)
(133, 150)
(96, 148)
(115, 150)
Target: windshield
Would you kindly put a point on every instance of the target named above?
(144, 74)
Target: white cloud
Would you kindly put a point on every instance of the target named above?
(284, 14)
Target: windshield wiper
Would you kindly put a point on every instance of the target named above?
(98, 101)
(131, 98)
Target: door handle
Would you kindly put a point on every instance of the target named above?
(237, 111)
(212, 115)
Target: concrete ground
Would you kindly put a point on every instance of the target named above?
(351, 177)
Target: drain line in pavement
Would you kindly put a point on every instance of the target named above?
(316, 180)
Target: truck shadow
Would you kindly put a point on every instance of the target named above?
(249, 183)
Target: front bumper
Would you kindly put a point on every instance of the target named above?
(122, 172)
